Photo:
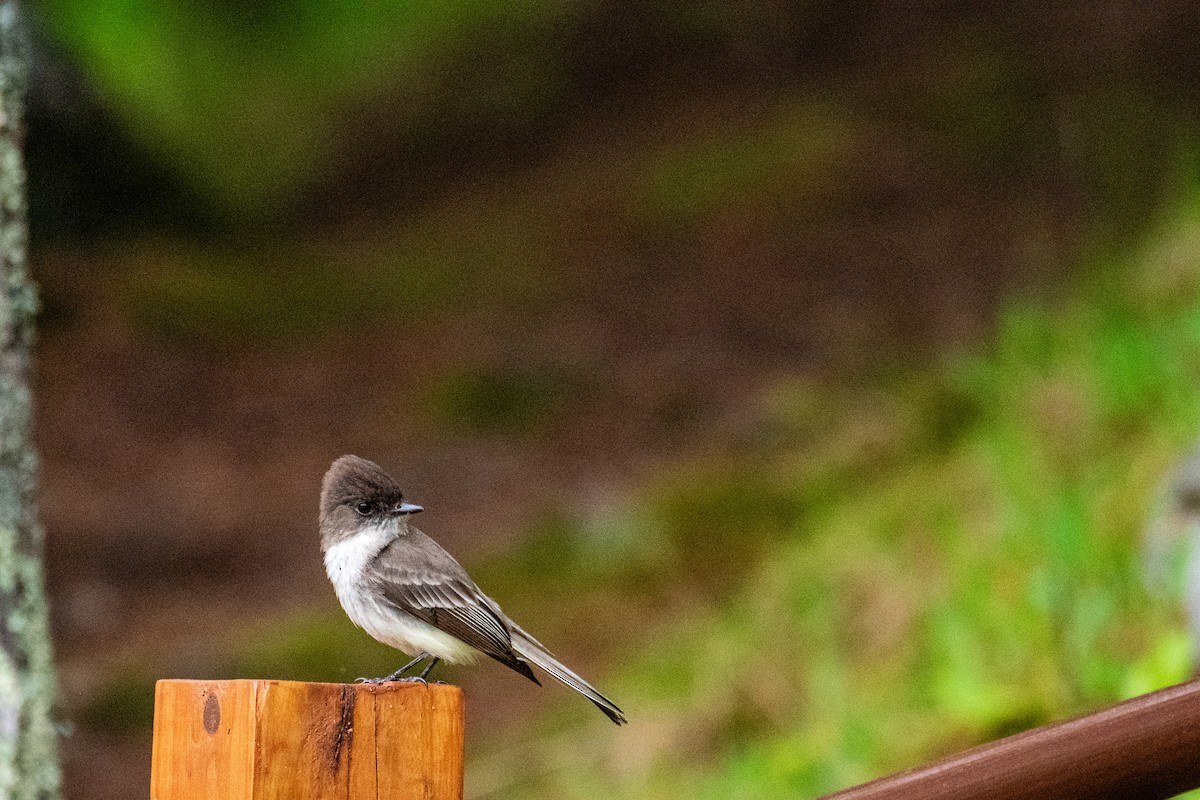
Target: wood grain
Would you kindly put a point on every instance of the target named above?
(402, 754)
(203, 740)
(271, 740)
(1146, 748)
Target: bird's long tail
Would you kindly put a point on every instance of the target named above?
(534, 651)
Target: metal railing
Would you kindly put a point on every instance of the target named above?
(1142, 749)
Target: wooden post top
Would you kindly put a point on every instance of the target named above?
(262, 739)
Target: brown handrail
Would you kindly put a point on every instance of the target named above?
(1142, 749)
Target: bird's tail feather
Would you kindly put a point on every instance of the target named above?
(531, 649)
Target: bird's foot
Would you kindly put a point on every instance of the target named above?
(372, 681)
(409, 680)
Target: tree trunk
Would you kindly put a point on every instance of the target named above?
(28, 748)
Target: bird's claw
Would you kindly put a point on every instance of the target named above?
(381, 681)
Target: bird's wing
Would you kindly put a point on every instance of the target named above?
(429, 584)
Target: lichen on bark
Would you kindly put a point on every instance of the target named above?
(28, 747)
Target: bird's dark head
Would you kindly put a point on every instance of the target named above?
(357, 492)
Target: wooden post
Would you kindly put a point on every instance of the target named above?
(284, 740)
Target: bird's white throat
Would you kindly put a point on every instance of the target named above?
(346, 560)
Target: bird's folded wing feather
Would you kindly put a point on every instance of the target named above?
(441, 596)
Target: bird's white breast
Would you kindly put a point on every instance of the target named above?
(345, 563)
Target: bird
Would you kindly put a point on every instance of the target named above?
(406, 591)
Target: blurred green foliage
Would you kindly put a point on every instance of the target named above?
(256, 106)
(312, 645)
(789, 161)
(125, 702)
(244, 294)
(873, 578)
(245, 99)
(496, 400)
(975, 568)
(868, 579)
(876, 578)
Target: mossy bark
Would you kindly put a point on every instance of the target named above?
(28, 747)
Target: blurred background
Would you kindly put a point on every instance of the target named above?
(810, 376)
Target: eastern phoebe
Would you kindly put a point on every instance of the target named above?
(401, 587)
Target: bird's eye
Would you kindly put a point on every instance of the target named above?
(363, 508)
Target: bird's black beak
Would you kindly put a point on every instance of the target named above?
(407, 508)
